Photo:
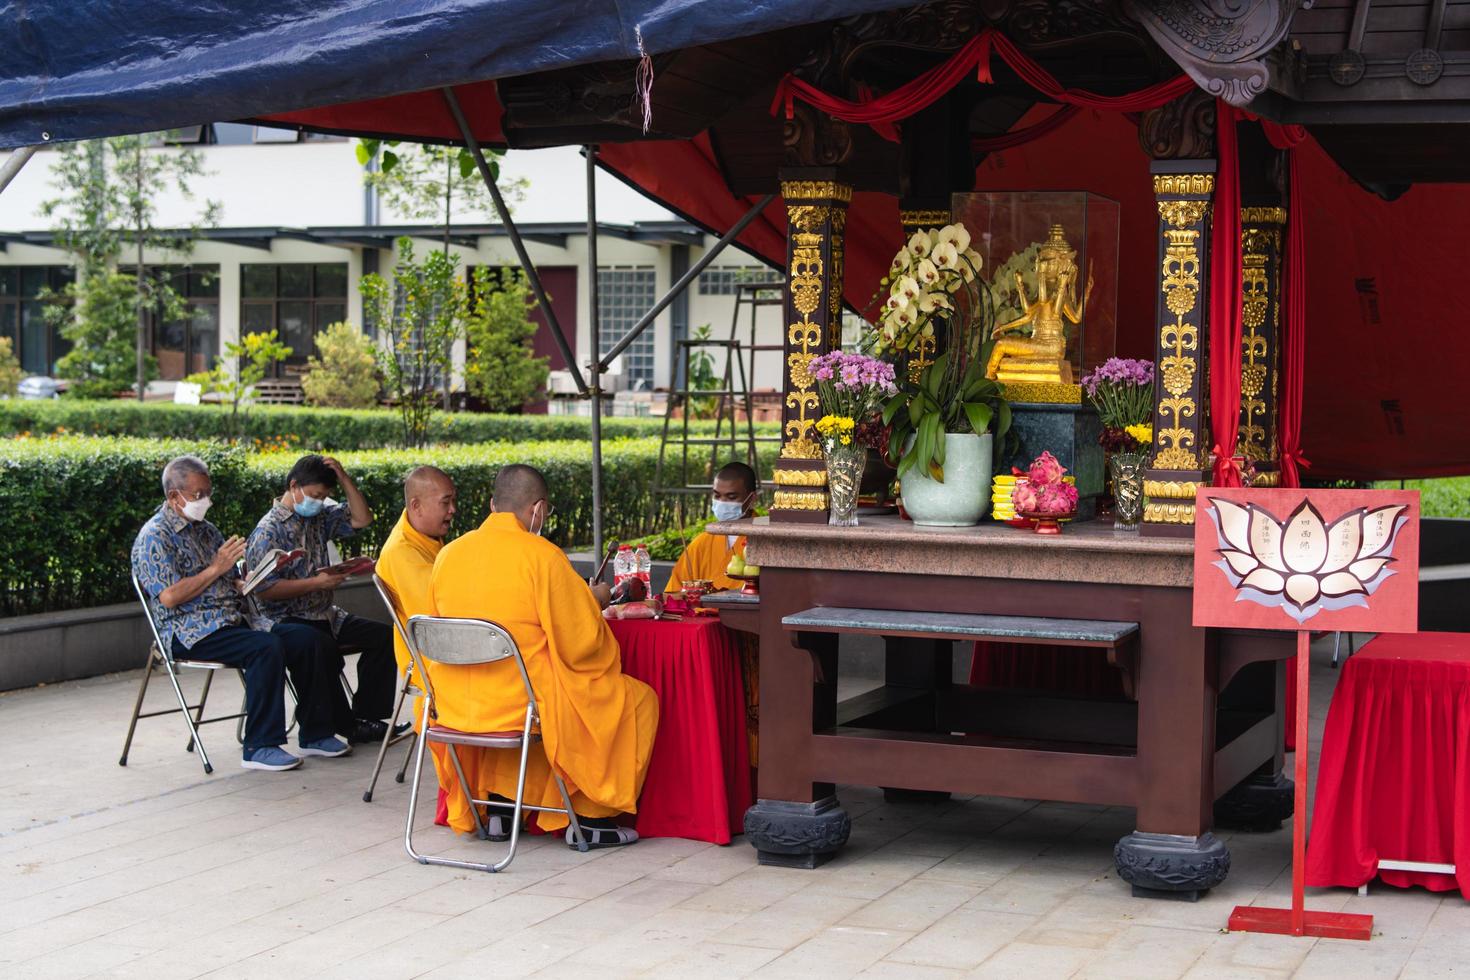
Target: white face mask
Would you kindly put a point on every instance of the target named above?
(195, 510)
(538, 528)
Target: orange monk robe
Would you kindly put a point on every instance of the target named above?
(707, 557)
(597, 725)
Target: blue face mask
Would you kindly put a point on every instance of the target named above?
(308, 506)
(727, 510)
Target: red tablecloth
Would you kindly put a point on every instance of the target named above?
(1394, 779)
(699, 781)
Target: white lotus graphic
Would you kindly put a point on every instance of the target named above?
(1304, 565)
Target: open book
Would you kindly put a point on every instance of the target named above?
(274, 559)
(361, 565)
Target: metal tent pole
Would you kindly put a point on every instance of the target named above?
(685, 280)
(595, 384)
(515, 239)
(13, 164)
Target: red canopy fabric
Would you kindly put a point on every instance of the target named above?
(1379, 313)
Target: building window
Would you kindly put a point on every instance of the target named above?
(624, 294)
(188, 345)
(721, 280)
(34, 342)
(296, 300)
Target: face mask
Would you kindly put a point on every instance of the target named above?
(538, 528)
(308, 506)
(195, 510)
(727, 510)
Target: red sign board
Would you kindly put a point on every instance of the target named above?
(1315, 560)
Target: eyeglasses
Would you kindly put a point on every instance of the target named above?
(550, 508)
(197, 495)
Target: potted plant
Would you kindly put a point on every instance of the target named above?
(946, 415)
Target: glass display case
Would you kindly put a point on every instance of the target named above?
(1051, 261)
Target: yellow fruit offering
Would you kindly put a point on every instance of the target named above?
(752, 570)
(736, 566)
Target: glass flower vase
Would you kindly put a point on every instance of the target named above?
(845, 466)
(1127, 471)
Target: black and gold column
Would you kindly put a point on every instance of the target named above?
(1183, 190)
(1261, 230)
(816, 215)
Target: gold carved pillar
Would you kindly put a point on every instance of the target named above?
(816, 215)
(1261, 231)
(1183, 190)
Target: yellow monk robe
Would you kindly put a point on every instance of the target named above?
(707, 557)
(597, 725)
(406, 563)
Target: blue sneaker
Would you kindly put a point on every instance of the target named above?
(270, 758)
(330, 747)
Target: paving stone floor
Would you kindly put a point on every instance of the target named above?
(159, 871)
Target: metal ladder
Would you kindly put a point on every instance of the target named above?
(674, 475)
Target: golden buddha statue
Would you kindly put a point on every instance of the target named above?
(1042, 356)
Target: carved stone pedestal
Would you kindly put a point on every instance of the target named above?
(1171, 866)
(797, 835)
(1258, 805)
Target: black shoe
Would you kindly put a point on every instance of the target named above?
(368, 730)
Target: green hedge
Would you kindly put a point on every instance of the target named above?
(338, 429)
(70, 507)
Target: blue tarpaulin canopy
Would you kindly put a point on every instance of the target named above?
(82, 70)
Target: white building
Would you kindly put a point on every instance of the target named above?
(298, 229)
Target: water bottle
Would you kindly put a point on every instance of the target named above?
(623, 565)
(644, 565)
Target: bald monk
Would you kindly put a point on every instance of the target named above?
(407, 557)
(732, 496)
(597, 725)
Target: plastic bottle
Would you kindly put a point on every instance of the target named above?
(624, 565)
(644, 567)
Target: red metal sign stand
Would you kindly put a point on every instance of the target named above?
(1297, 920)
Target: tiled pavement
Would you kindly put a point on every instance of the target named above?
(157, 871)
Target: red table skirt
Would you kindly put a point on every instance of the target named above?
(1073, 670)
(1394, 779)
(699, 781)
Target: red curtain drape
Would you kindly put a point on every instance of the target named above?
(1018, 137)
(1294, 324)
(1224, 301)
(975, 56)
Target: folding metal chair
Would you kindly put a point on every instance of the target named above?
(407, 690)
(1337, 647)
(159, 655)
(468, 642)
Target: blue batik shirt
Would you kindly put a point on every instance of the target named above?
(171, 548)
(283, 528)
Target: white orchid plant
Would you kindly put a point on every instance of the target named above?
(924, 281)
(935, 282)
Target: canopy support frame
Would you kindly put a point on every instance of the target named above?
(514, 234)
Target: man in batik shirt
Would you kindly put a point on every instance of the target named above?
(186, 569)
(301, 593)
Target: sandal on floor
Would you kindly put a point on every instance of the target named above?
(603, 837)
(497, 828)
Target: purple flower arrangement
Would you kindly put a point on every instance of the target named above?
(1122, 390)
(851, 385)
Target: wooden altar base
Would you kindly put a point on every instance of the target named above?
(1205, 717)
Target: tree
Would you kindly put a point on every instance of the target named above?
(239, 369)
(100, 319)
(345, 374)
(501, 367)
(10, 372)
(419, 316)
(105, 202)
(427, 183)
